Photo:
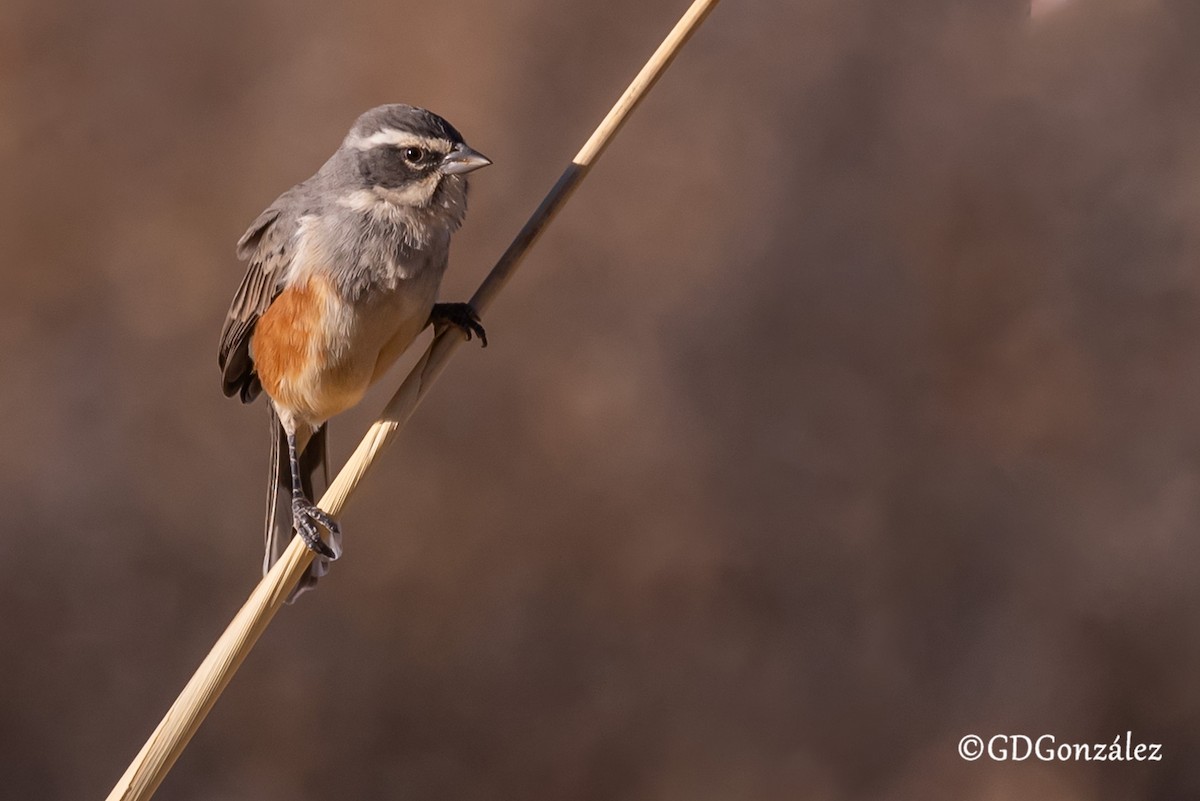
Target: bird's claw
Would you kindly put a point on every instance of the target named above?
(460, 315)
(306, 516)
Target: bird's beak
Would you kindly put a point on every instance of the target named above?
(463, 159)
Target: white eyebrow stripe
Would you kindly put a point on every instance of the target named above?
(391, 136)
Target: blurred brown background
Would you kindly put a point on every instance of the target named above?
(852, 406)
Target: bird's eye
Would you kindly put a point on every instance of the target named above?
(413, 155)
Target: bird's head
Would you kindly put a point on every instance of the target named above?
(400, 160)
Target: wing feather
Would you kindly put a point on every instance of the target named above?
(266, 244)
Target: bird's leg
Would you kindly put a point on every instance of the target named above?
(460, 315)
(305, 514)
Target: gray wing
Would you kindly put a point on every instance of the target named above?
(267, 244)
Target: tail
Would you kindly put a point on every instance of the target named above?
(314, 476)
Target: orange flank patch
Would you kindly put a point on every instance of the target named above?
(283, 346)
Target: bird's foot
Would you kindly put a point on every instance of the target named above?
(306, 516)
(460, 315)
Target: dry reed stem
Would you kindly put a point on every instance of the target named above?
(172, 735)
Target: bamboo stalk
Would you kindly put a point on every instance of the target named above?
(184, 717)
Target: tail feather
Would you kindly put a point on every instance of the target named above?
(314, 478)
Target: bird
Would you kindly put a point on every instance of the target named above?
(343, 274)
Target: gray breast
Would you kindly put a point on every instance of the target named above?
(374, 255)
